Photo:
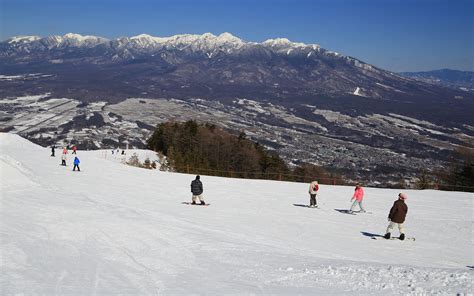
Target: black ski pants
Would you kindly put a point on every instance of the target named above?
(312, 200)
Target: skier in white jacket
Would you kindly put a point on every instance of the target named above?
(313, 191)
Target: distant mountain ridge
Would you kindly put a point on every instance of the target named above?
(205, 41)
(463, 80)
(207, 66)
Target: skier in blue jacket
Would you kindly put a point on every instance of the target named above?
(76, 164)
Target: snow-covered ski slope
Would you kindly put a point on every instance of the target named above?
(116, 229)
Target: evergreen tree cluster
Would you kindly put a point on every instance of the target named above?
(460, 175)
(191, 147)
(135, 161)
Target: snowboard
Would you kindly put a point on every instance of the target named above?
(393, 238)
(197, 204)
(353, 212)
(306, 206)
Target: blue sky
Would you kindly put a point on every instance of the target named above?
(398, 35)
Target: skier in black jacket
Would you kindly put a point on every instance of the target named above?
(196, 189)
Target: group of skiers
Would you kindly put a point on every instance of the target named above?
(64, 154)
(396, 216)
(117, 151)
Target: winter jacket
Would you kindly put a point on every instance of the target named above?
(358, 194)
(398, 212)
(196, 187)
(313, 187)
(76, 161)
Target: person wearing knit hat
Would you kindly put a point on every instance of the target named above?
(397, 216)
(402, 196)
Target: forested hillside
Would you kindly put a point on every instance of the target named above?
(203, 148)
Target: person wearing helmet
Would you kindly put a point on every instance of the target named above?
(397, 216)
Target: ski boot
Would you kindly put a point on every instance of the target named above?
(193, 203)
(202, 203)
(402, 236)
(387, 235)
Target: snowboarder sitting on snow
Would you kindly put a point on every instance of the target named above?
(357, 198)
(397, 216)
(76, 164)
(196, 189)
(313, 191)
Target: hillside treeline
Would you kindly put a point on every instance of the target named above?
(460, 174)
(191, 147)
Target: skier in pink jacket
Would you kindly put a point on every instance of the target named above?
(357, 199)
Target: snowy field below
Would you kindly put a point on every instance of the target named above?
(117, 229)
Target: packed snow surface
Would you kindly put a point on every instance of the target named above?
(117, 229)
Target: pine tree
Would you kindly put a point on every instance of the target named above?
(423, 182)
(134, 161)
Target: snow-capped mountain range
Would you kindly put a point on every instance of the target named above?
(203, 62)
(206, 41)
